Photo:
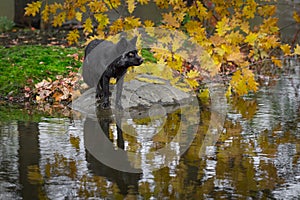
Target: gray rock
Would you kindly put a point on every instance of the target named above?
(135, 94)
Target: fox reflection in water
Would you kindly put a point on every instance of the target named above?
(96, 133)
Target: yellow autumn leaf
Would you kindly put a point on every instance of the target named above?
(192, 82)
(88, 26)
(171, 20)
(45, 13)
(73, 36)
(98, 7)
(33, 8)
(236, 57)
(251, 38)
(131, 22)
(116, 26)
(296, 17)
(102, 19)
(113, 4)
(142, 2)
(78, 16)
(297, 49)
(223, 26)
(193, 74)
(54, 7)
(286, 49)
(148, 23)
(130, 5)
(59, 19)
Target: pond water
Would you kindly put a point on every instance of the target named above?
(255, 156)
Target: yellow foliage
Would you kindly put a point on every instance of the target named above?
(130, 5)
(78, 16)
(192, 83)
(243, 82)
(88, 26)
(59, 19)
(267, 10)
(223, 26)
(33, 8)
(46, 13)
(73, 36)
(97, 6)
(148, 23)
(113, 4)
(171, 20)
(131, 23)
(220, 27)
(193, 74)
(251, 38)
(250, 9)
(116, 26)
(143, 1)
(102, 19)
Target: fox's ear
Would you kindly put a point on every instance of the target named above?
(133, 40)
(121, 45)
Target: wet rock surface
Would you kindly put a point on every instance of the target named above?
(137, 94)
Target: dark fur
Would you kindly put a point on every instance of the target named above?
(117, 69)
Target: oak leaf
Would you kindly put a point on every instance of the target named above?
(33, 8)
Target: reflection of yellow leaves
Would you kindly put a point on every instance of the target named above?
(33, 8)
(297, 49)
(286, 49)
(75, 141)
(296, 17)
(246, 107)
(276, 61)
(34, 175)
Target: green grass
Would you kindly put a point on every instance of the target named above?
(19, 64)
